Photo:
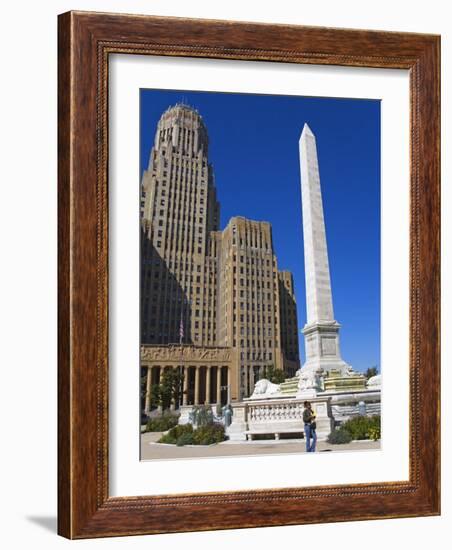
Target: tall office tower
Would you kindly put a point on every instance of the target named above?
(179, 209)
(249, 299)
(213, 295)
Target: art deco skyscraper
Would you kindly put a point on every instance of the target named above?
(207, 293)
(179, 210)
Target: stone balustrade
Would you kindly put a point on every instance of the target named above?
(253, 418)
(284, 414)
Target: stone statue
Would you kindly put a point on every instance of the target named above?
(374, 381)
(264, 388)
(227, 415)
(310, 379)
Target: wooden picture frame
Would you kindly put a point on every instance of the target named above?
(85, 42)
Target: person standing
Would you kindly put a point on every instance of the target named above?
(309, 427)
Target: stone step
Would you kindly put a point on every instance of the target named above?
(289, 386)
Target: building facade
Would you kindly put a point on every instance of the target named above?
(207, 294)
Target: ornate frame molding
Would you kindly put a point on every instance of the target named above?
(85, 42)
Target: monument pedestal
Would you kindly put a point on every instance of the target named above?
(336, 381)
(236, 430)
(307, 394)
(322, 348)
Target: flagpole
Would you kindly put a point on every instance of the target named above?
(181, 334)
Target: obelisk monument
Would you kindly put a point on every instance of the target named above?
(321, 331)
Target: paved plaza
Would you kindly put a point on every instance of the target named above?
(152, 450)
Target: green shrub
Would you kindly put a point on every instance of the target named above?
(277, 376)
(185, 435)
(339, 437)
(206, 435)
(359, 426)
(167, 438)
(374, 433)
(185, 439)
(175, 433)
(162, 423)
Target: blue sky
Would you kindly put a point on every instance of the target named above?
(254, 152)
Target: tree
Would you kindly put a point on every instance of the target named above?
(143, 380)
(168, 391)
(372, 371)
(170, 388)
(155, 398)
(275, 375)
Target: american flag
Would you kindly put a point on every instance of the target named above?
(181, 330)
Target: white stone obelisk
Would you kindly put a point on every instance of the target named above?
(321, 331)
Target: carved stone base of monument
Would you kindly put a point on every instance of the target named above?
(236, 430)
(336, 381)
(322, 348)
(307, 393)
(289, 386)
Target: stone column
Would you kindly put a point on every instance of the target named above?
(251, 379)
(185, 394)
(162, 372)
(147, 403)
(197, 385)
(173, 401)
(228, 371)
(208, 373)
(219, 385)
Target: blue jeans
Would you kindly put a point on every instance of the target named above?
(308, 434)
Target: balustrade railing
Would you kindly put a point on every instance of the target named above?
(274, 412)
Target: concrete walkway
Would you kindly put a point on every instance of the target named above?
(152, 450)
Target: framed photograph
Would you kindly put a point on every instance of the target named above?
(248, 275)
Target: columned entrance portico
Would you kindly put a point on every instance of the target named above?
(207, 373)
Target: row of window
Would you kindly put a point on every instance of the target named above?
(181, 163)
(165, 338)
(187, 248)
(158, 297)
(176, 216)
(250, 260)
(190, 191)
(189, 202)
(251, 318)
(178, 264)
(252, 246)
(256, 356)
(189, 222)
(248, 282)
